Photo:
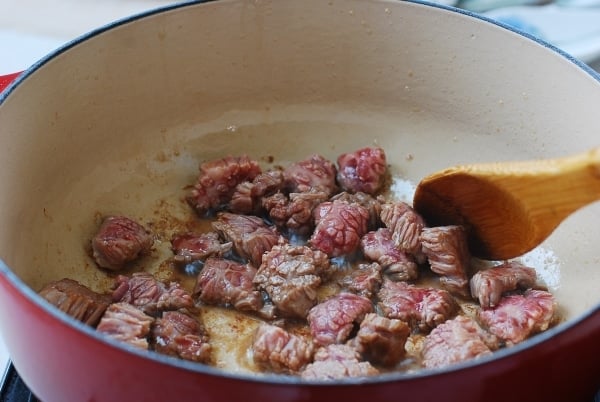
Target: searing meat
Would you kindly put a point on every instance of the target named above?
(448, 255)
(278, 350)
(364, 280)
(179, 334)
(362, 170)
(250, 235)
(516, 317)
(334, 362)
(291, 275)
(248, 195)
(424, 308)
(226, 282)
(381, 340)
(333, 320)
(189, 247)
(488, 285)
(397, 264)
(313, 173)
(218, 180)
(455, 341)
(120, 240)
(371, 204)
(339, 227)
(76, 300)
(406, 226)
(143, 291)
(126, 323)
(294, 213)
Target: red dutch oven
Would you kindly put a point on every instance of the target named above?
(118, 120)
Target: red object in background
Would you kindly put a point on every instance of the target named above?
(5, 80)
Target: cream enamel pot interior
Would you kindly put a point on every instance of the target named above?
(118, 121)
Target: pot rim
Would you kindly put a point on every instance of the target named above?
(13, 280)
(159, 10)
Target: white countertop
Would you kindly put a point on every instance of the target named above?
(34, 28)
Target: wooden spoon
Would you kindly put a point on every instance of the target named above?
(509, 208)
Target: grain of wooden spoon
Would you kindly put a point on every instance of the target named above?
(509, 208)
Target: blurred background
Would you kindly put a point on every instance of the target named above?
(30, 29)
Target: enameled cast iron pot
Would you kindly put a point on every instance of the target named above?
(120, 119)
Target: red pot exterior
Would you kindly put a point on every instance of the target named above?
(74, 366)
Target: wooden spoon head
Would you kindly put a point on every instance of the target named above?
(498, 227)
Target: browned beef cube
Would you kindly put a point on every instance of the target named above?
(517, 317)
(179, 334)
(313, 173)
(294, 212)
(278, 350)
(455, 341)
(250, 235)
(339, 227)
(118, 241)
(381, 340)
(290, 275)
(423, 308)
(333, 320)
(247, 198)
(189, 247)
(149, 295)
(126, 323)
(335, 362)
(76, 300)
(364, 280)
(362, 170)
(226, 282)
(371, 204)
(448, 255)
(406, 226)
(218, 180)
(490, 284)
(397, 264)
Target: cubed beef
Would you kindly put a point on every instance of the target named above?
(362, 170)
(364, 280)
(278, 350)
(516, 317)
(126, 323)
(218, 180)
(294, 213)
(76, 300)
(339, 227)
(179, 334)
(189, 247)
(424, 308)
(118, 241)
(448, 255)
(247, 198)
(313, 173)
(225, 282)
(381, 340)
(488, 285)
(371, 204)
(290, 275)
(397, 264)
(333, 320)
(336, 362)
(149, 295)
(456, 340)
(250, 235)
(406, 226)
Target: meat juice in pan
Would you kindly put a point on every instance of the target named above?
(231, 332)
